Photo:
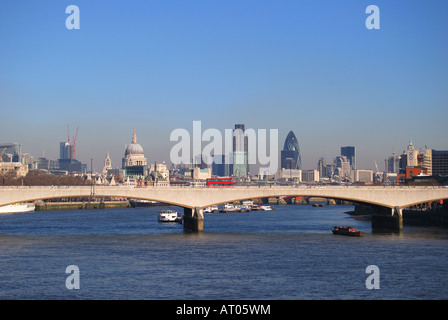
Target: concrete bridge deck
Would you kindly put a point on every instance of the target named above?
(195, 199)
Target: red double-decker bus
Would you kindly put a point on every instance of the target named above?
(220, 182)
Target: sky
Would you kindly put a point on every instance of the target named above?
(154, 66)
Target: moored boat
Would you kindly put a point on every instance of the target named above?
(168, 216)
(212, 209)
(17, 208)
(229, 208)
(347, 231)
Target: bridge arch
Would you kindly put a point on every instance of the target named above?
(94, 196)
(276, 195)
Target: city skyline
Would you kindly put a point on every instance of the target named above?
(66, 153)
(311, 68)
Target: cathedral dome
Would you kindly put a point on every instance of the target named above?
(134, 147)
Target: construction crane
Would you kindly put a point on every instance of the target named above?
(73, 140)
(74, 143)
(376, 165)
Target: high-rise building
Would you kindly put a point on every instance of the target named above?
(321, 166)
(11, 148)
(425, 161)
(240, 152)
(220, 166)
(393, 164)
(343, 167)
(290, 155)
(65, 150)
(440, 162)
(350, 153)
(67, 161)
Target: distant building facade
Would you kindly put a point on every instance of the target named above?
(393, 164)
(365, 176)
(310, 175)
(289, 175)
(343, 168)
(440, 162)
(16, 168)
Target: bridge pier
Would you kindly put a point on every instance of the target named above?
(193, 219)
(392, 222)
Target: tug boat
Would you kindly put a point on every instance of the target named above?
(347, 231)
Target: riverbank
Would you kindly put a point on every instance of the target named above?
(427, 218)
(49, 206)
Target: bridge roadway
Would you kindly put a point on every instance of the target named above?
(193, 200)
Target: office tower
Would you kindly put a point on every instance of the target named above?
(393, 164)
(220, 166)
(440, 162)
(290, 155)
(240, 152)
(350, 153)
(343, 167)
(65, 151)
(321, 166)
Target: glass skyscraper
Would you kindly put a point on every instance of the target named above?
(350, 153)
(290, 154)
(240, 152)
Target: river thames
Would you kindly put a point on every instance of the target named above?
(286, 254)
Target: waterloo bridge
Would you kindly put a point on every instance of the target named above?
(194, 200)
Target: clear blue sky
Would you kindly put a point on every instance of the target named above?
(302, 65)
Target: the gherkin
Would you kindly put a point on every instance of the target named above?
(291, 153)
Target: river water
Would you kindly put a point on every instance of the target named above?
(286, 254)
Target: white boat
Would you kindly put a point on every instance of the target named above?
(167, 216)
(17, 207)
(266, 208)
(230, 208)
(247, 203)
(212, 209)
